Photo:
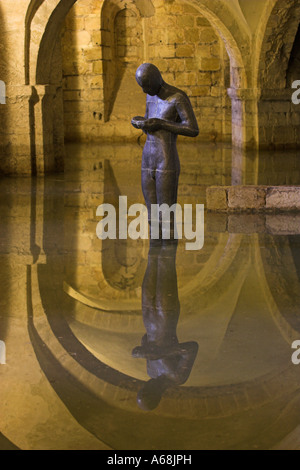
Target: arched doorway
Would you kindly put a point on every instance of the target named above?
(43, 52)
(278, 116)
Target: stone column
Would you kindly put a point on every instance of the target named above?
(245, 135)
(245, 117)
(32, 130)
(47, 128)
(15, 131)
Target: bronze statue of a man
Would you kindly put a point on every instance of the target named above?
(169, 113)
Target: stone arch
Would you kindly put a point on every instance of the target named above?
(230, 25)
(43, 23)
(45, 19)
(31, 11)
(293, 71)
(278, 117)
(49, 39)
(234, 34)
(113, 70)
(277, 42)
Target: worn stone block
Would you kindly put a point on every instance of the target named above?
(98, 67)
(204, 78)
(92, 23)
(246, 198)
(208, 35)
(283, 198)
(83, 38)
(72, 95)
(185, 51)
(191, 35)
(201, 21)
(186, 21)
(200, 91)
(93, 53)
(210, 64)
(165, 51)
(216, 198)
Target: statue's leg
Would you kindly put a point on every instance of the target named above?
(166, 193)
(149, 189)
(149, 292)
(149, 192)
(167, 301)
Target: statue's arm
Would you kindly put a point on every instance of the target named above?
(188, 353)
(178, 364)
(188, 125)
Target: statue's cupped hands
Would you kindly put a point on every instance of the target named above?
(147, 125)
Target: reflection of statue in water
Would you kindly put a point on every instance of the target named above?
(168, 113)
(169, 363)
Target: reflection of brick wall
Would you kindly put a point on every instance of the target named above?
(99, 67)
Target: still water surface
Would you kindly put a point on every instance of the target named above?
(110, 345)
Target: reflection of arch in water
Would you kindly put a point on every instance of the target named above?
(282, 285)
(83, 381)
(80, 380)
(215, 293)
(221, 261)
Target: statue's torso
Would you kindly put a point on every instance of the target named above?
(160, 150)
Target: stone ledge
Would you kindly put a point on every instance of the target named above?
(253, 198)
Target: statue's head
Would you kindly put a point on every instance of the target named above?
(149, 78)
(151, 392)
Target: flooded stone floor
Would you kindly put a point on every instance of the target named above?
(110, 345)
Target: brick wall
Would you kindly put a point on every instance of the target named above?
(102, 48)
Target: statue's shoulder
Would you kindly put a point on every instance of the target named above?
(178, 95)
